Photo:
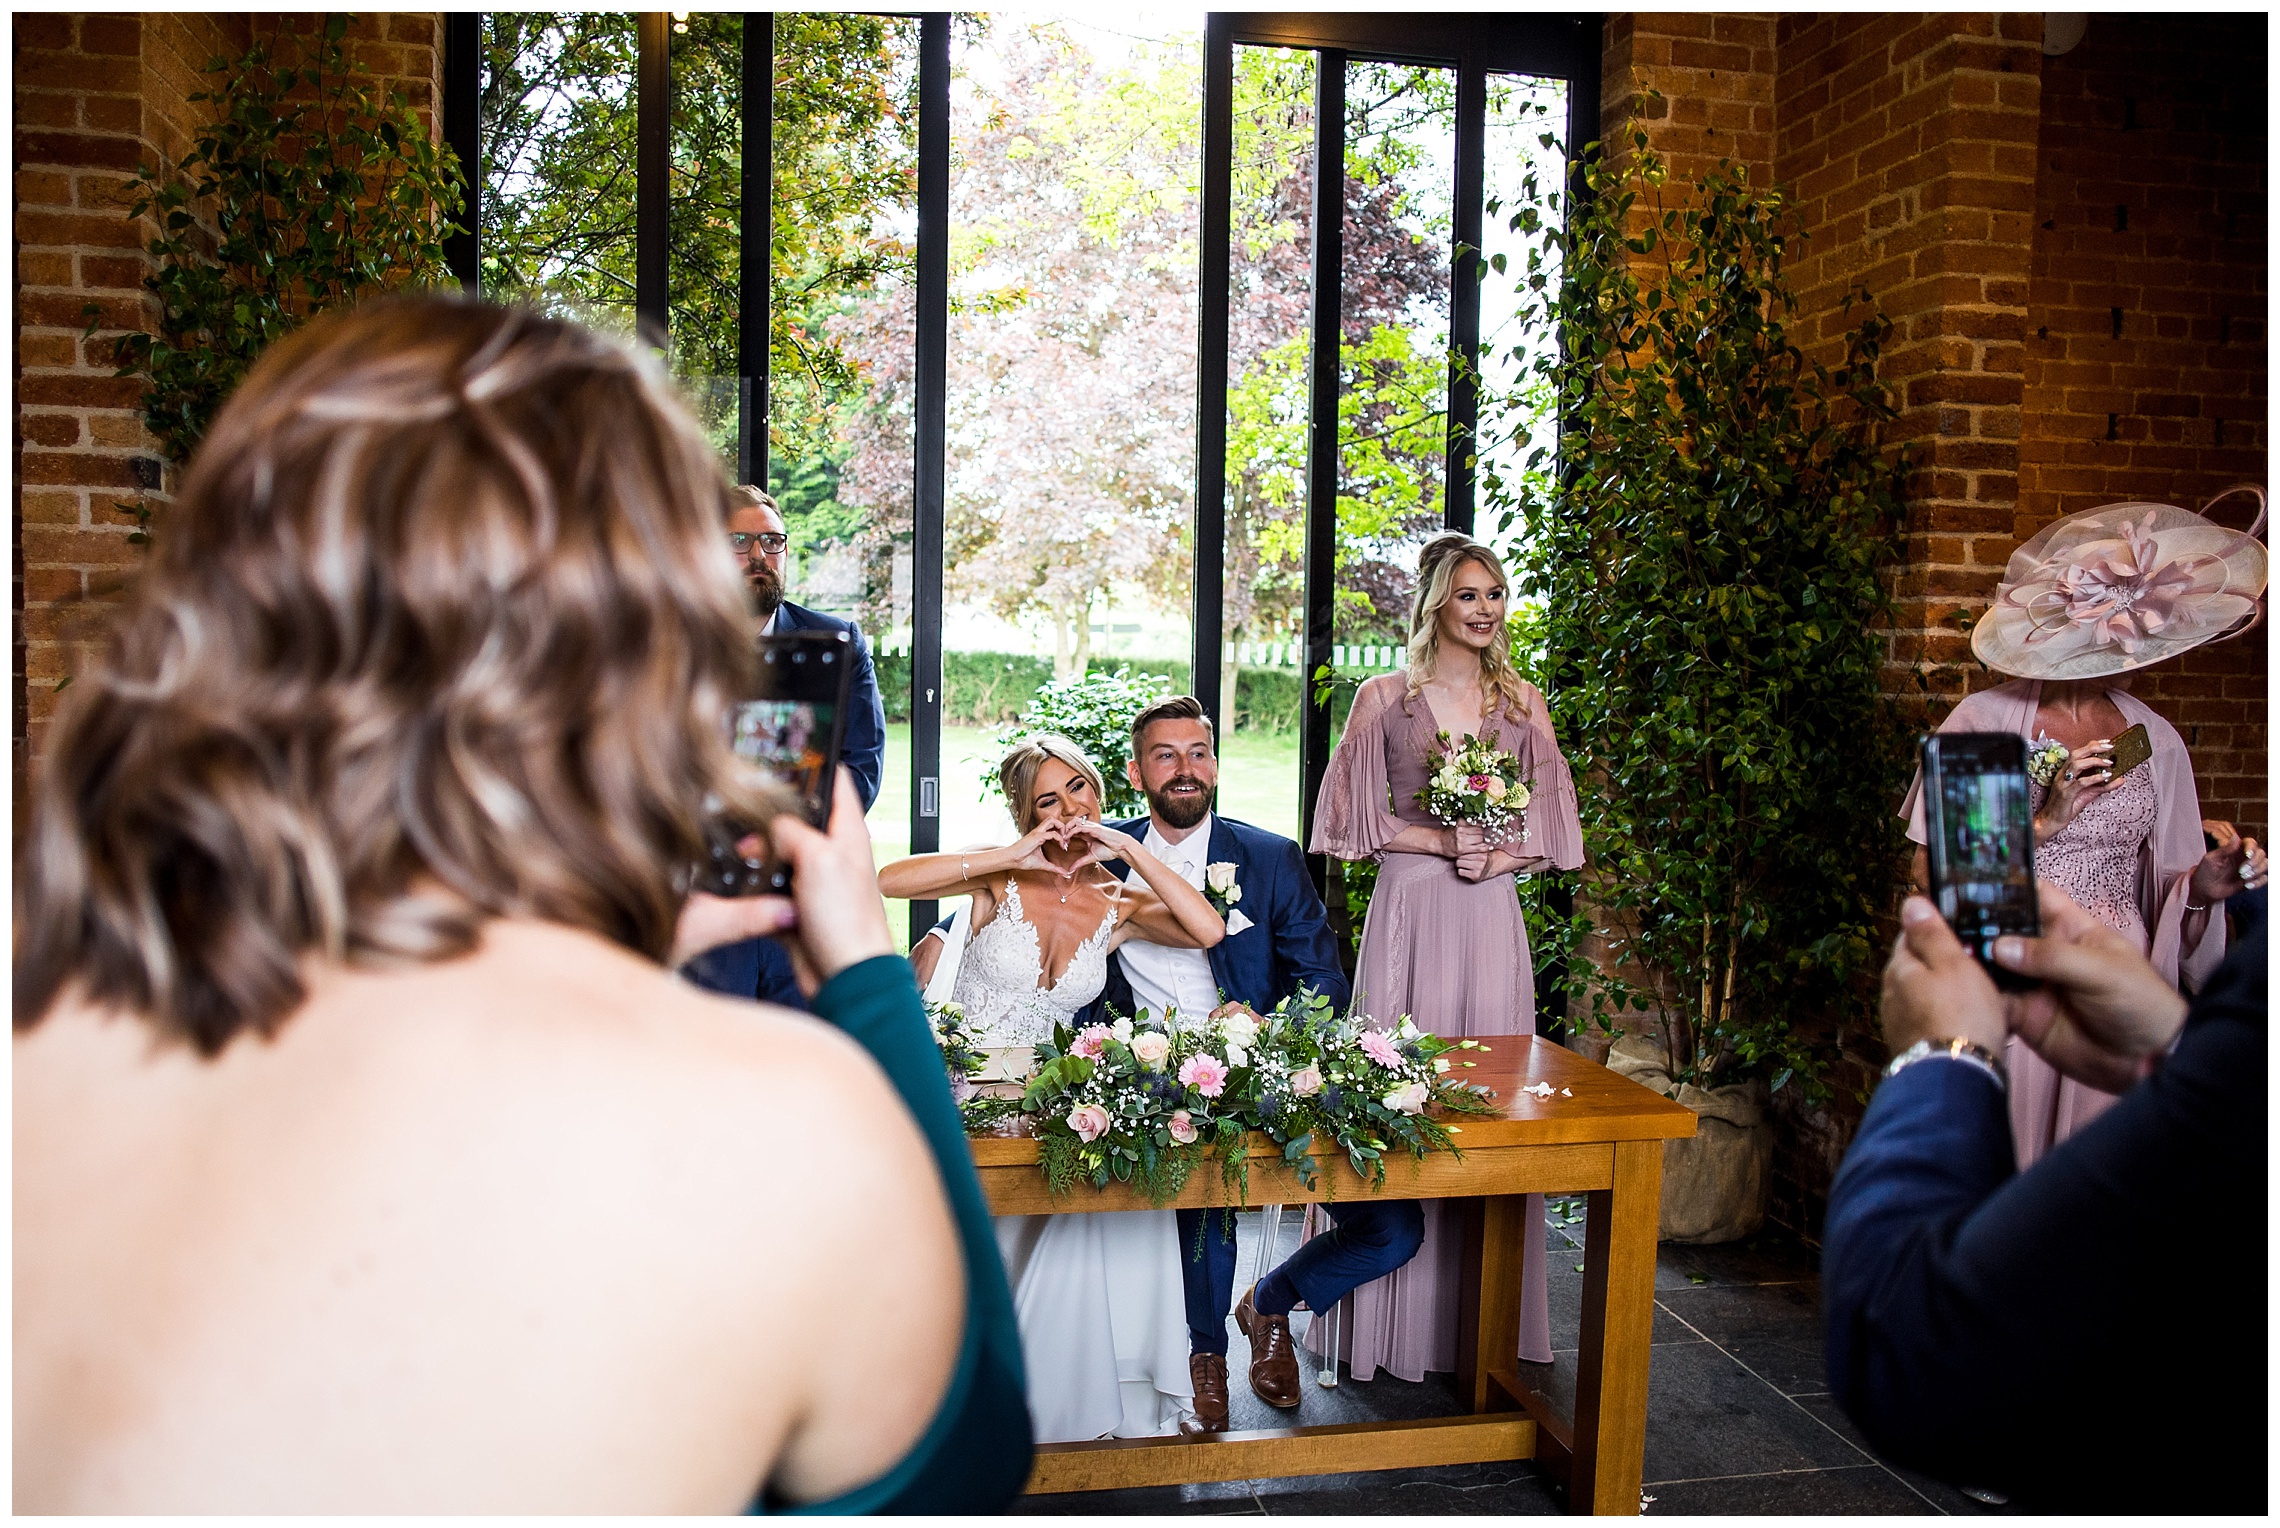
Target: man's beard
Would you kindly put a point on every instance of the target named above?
(766, 591)
(1181, 812)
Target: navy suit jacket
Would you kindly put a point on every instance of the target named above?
(1288, 944)
(759, 968)
(1980, 1321)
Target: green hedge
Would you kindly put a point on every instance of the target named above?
(992, 689)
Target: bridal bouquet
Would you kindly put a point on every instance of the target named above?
(1321, 1077)
(1474, 781)
(1140, 1101)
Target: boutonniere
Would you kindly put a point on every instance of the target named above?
(1223, 891)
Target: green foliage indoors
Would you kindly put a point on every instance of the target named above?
(1095, 712)
(1704, 572)
(309, 189)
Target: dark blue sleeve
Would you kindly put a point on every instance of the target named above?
(1977, 1317)
(1306, 954)
(865, 750)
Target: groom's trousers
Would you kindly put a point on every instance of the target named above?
(1364, 1242)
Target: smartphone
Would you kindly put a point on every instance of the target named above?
(1980, 842)
(794, 726)
(2131, 748)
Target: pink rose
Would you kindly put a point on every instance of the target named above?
(1306, 1081)
(1091, 1043)
(1182, 1127)
(1206, 1074)
(1379, 1049)
(1089, 1121)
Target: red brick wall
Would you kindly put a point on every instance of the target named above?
(1909, 141)
(2150, 203)
(1714, 71)
(97, 95)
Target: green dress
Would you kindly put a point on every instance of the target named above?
(975, 1454)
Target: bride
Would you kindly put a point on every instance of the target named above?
(1103, 1324)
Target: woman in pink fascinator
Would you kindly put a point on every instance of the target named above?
(2085, 604)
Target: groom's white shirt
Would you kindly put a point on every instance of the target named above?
(1167, 978)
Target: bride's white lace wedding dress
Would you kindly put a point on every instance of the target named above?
(1103, 1322)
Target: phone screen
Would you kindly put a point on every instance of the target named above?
(793, 726)
(1980, 840)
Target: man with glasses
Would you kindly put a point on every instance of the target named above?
(759, 967)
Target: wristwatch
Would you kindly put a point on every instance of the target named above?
(1970, 1053)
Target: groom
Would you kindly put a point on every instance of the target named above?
(1278, 940)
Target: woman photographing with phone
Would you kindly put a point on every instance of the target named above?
(367, 1157)
(2082, 607)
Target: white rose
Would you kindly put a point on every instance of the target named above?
(1237, 1056)
(1122, 1029)
(1220, 877)
(1240, 1028)
(1449, 779)
(1409, 1098)
(1151, 1049)
(1408, 1028)
(1233, 894)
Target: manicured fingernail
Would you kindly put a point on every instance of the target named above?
(1917, 910)
(786, 917)
(2011, 950)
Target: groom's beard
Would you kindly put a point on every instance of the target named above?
(1183, 811)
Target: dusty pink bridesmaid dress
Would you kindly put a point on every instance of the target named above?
(1451, 954)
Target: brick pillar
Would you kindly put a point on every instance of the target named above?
(1715, 72)
(1910, 140)
(2146, 349)
(96, 96)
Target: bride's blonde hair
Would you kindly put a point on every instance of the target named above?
(1017, 773)
(1437, 568)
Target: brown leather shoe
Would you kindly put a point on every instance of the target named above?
(1209, 1371)
(1274, 1361)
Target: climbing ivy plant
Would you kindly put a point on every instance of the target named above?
(1709, 546)
(308, 188)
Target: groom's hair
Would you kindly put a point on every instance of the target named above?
(1172, 708)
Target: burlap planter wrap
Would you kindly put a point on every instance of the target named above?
(1713, 1185)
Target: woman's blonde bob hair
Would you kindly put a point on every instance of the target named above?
(1017, 773)
(441, 628)
(1437, 569)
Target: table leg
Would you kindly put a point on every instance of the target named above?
(1488, 1308)
(1618, 1333)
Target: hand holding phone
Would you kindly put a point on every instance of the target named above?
(794, 725)
(1979, 849)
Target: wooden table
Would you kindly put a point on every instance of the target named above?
(1603, 1139)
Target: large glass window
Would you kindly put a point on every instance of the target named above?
(1076, 219)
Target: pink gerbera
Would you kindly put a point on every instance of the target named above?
(1205, 1073)
(1379, 1049)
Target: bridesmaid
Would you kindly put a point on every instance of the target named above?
(1444, 942)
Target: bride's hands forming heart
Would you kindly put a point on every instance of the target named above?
(1037, 846)
(1101, 842)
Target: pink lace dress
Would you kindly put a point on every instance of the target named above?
(1451, 954)
(2128, 858)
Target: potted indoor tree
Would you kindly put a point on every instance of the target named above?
(1709, 546)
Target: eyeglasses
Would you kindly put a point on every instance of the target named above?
(771, 542)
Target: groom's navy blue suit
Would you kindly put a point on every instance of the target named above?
(760, 968)
(1287, 946)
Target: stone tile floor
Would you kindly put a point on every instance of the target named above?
(1739, 1418)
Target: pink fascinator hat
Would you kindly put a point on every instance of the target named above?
(2122, 587)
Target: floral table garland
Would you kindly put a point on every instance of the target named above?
(1144, 1101)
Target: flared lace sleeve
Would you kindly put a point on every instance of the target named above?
(1353, 817)
(1554, 830)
